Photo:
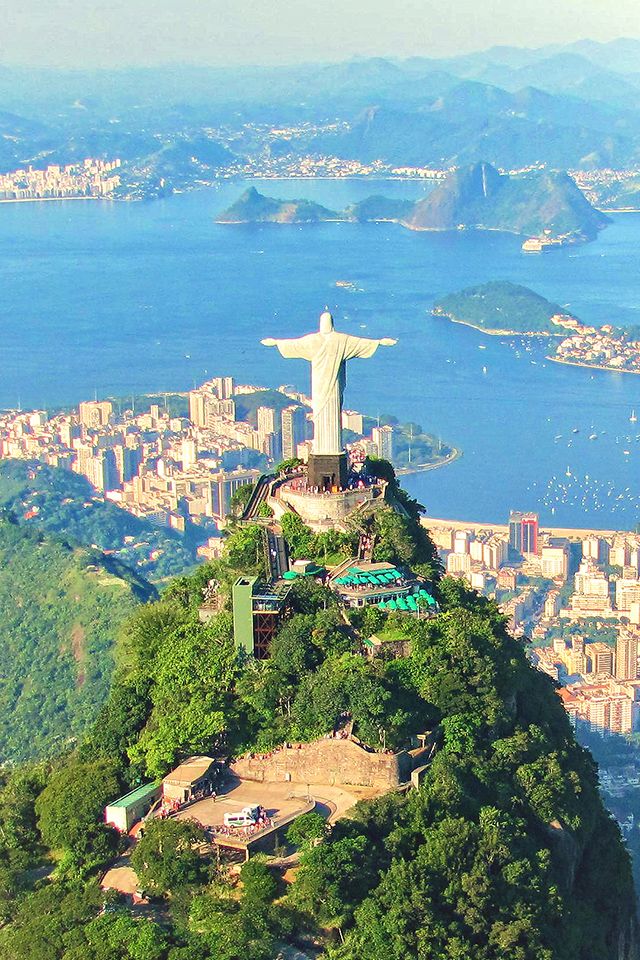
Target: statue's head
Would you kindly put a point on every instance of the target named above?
(326, 321)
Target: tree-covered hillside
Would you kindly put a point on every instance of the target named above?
(500, 306)
(59, 501)
(254, 207)
(504, 853)
(60, 609)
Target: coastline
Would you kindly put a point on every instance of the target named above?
(491, 332)
(571, 533)
(455, 454)
(591, 366)
(52, 199)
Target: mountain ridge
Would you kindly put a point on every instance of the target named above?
(473, 197)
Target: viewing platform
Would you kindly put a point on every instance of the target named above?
(324, 510)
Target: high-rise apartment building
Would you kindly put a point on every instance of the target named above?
(595, 548)
(627, 592)
(189, 453)
(523, 532)
(294, 430)
(269, 432)
(626, 656)
(352, 420)
(198, 407)
(601, 657)
(529, 525)
(223, 387)
(383, 439)
(555, 559)
(515, 531)
(128, 460)
(95, 413)
(103, 471)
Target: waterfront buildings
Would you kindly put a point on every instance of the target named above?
(87, 178)
(523, 532)
(172, 470)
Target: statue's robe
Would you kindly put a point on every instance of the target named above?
(328, 354)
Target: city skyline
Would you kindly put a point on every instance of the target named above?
(221, 34)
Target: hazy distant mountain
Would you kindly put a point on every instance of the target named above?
(473, 121)
(622, 55)
(476, 197)
(576, 105)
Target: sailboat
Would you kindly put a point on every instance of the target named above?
(633, 418)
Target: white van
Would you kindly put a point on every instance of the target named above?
(244, 818)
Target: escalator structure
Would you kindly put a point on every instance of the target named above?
(260, 494)
(276, 553)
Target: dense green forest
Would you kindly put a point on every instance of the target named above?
(504, 853)
(59, 501)
(60, 609)
(500, 305)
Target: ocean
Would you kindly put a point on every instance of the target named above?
(100, 298)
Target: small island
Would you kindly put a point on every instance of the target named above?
(475, 197)
(254, 207)
(502, 308)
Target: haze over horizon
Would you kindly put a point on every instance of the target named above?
(63, 34)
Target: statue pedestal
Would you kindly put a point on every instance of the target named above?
(326, 511)
(327, 472)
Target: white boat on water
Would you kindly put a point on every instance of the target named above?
(633, 418)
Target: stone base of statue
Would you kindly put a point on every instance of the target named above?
(327, 472)
(325, 511)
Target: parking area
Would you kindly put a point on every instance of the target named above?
(280, 800)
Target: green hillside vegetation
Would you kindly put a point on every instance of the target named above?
(60, 609)
(253, 207)
(380, 208)
(500, 306)
(59, 501)
(247, 403)
(475, 197)
(504, 853)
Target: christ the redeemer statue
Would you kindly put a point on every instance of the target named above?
(328, 351)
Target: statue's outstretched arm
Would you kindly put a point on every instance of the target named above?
(299, 348)
(363, 347)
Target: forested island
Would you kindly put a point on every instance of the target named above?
(475, 197)
(501, 307)
(505, 851)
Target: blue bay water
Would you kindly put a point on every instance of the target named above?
(122, 298)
